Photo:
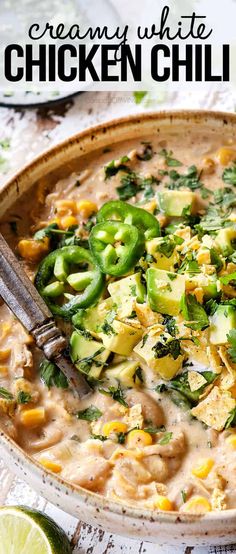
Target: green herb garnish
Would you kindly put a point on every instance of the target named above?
(89, 414)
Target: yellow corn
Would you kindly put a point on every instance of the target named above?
(87, 208)
(3, 371)
(226, 155)
(66, 207)
(197, 505)
(231, 441)
(198, 293)
(138, 438)
(113, 427)
(33, 250)
(4, 355)
(208, 166)
(203, 469)
(163, 503)
(67, 221)
(233, 391)
(55, 467)
(33, 418)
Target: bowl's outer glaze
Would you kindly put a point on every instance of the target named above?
(166, 527)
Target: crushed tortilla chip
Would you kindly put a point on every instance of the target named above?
(134, 417)
(215, 409)
(195, 380)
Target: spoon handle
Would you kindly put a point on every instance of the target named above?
(20, 295)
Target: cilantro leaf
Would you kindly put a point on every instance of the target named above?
(23, 397)
(229, 175)
(113, 167)
(89, 414)
(52, 376)
(226, 279)
(166, 347)
(194, 312)
(139, 95)
(147, 153)
(170, 161)
(99, 437)
(166, 438)
(46, 231)
(232, 340)
(128, 187)
(116, 394)
(4, 393)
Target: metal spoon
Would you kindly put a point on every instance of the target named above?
(23, 299)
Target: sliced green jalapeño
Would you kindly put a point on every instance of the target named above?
(122, 211)
(116, 246)
(69, 273)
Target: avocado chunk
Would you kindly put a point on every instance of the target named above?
(121, 338)
(173, 202)
(124, 373)
(152, 345)
(125, 292)
(92, 319)
(89, 356)
(221, 323)
(224, 239)
(164, 290)
(208, 283)
(165, 258)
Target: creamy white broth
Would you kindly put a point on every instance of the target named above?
(107, 467)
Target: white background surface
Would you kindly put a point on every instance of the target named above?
(29, 133)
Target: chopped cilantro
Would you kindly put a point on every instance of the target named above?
(99, 437)
(184, 496)
(128, 187)
(226, 279)
(147, 153)
(229, 175)
(170, 161)
(167, 347)
(216, 259)
(89, 414)
(154, 430)
(138, 375)
(116, 394)
(165, 439)
(112, 168)
(23, 397)
(4, 393)
(232, 341)
(52, 376)
(5, 144)
(194, 312)
(86, 363)
(170, 323)
(231, 421)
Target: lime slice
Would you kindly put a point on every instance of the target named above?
(26, 531)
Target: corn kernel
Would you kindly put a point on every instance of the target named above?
(203, 256)
(66, 207)
(231, 441)
(203, 469)
(33, 250)
(87, 208)
(138, 438)
(67, 221)
(163, 503)
(3, 371)
(33, 418)
(113, 427)
(4, 355)
(226, 155)
(208, 166)
(197, 505)
(55, 467)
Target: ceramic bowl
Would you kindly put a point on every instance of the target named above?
(166, 527)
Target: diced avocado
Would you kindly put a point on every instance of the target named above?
(125, 292)
(61, 268)
(122, 338)
(162, 261)
(89, 356)
(173, 202)
(166, 366)
(208, 283)
(224, 239)
(53, 289)
(124, 373)
(221, 323)
(92, 318)
(79, 281)
(165, 290)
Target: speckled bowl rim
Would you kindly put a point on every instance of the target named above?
(28, 171)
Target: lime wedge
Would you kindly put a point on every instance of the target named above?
(26, 531)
